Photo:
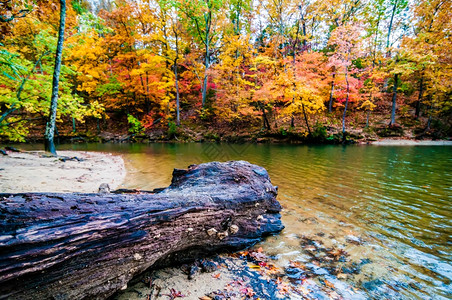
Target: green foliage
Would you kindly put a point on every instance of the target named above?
(135, 126)
(112, 87)
(319, 132)
(282, 131)
(358, 63)
(172, 130)
(79, 6)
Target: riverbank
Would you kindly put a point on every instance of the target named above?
(399, 142)
(330, 137)
(249, 274)
(70, 171)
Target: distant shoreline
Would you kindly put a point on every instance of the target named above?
(400, 142)
(277, 140)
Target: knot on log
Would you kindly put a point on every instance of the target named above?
(88, 246)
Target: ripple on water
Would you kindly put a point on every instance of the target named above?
(395, 199)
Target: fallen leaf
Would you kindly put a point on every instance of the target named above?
(253, 266)
(328, 284)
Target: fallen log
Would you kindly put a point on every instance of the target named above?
(87, 246)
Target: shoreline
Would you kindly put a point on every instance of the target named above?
(70, 171)
(410, 142)
(395, 141)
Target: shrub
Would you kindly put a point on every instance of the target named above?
(135, 126)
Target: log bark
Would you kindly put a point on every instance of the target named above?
(87, 246)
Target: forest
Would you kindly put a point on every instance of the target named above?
(223, 69)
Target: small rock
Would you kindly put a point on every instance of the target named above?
(137, 256)
(234, 229)
(104, 188)
(294, 273)
(194, 270)
(211, 231)
(353, 240)
(208, 266)
(260, 217)
(222, 235)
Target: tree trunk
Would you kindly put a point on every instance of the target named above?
(74, 128)
(346, 104)
(419, 99)
(87, 246)
(394, 99)
(294, 59)
(388, 52)
(265, 122)
(148, 103)
(330, 104)
(177, 95)
(176, 78)
(306, 119)
(50, 126)
(367, 118)
(206, 64)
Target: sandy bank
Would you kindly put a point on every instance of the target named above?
(34, 171)
(399, 142)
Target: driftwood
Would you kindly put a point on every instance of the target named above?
(87, 246)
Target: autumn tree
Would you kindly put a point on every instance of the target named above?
(234, 79)
(201, 18)
(26, 80)
(306, 86)
(50, 126)
(345, 40)
(430, 50)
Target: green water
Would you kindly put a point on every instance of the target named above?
(394, 201)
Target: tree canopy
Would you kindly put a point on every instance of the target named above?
(233, 63)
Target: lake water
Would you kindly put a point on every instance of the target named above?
(389, 208)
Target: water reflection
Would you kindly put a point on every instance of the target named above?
(395, 200)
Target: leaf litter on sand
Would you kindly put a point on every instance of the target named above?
(253, 274)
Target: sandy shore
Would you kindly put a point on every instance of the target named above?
(35, 171)
(399, 142)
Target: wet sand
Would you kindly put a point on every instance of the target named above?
(36, 171)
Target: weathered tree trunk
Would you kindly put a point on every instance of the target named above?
(367, 118)
(330, 103)
(265, 122)
(177, 92)
(206, 64)
(394, 99)
(87, 246)
(346, 105)
(306, 119)
(50, 126)
(419, 99)
(388, 43)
